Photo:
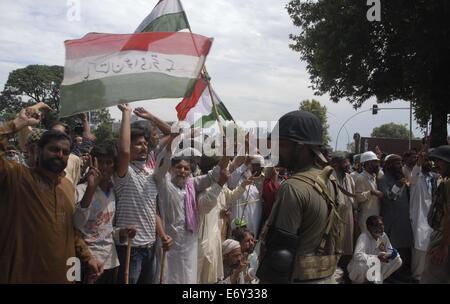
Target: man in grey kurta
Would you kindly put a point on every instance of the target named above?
(395, 207)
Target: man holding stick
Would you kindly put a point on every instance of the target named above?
(136, 190)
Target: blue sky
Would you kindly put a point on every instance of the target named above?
(252, 68)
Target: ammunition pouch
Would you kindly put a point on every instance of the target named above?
(278, 260)
(308, 268)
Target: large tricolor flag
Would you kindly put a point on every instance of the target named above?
(167, 16)
(198, 111)
(104, 70)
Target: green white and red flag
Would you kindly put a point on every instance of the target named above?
(104, 70)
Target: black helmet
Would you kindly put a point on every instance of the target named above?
(301, 127)
(442, 152)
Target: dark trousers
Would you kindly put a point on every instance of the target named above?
(109, 276)
(343, 263)
(403, 274)
(142, 265)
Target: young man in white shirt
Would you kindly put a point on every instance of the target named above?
(94, 213)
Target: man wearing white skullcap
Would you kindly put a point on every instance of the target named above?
(367, 194)
(233, 265)
(229, 246)
(258, 160)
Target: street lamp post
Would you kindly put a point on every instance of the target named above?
(339, 133)
(346, 130)
(371, 109)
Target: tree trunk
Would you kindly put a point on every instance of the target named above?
(438, 134)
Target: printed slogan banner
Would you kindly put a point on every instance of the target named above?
(104, 70)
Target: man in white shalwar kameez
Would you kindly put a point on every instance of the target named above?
(367, 193)
(177, 195)
(423, 184)
(249, 205)
(210, 264)
(373, 249)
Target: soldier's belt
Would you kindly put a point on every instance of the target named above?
(314, 267)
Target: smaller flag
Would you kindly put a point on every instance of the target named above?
(167, 16)
(197, 110)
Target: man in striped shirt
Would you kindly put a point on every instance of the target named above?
(136, 191)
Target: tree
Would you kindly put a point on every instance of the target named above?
(391, 130)
(103, 120)
(405, 56)
(10, 104)
(320, 111)
(38, 83)
(30, 85)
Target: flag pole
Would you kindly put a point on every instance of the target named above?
(205, 73)
(208, 83)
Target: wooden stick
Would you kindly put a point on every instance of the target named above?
(161, 274)
(127, 261)
(246, 203)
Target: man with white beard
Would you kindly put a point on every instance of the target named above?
(367, 194)
(179, 209)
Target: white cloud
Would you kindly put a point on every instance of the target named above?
(253, 70)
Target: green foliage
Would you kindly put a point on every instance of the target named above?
(103, 120)
(38, 82)
(320, 111)
(30, 85)
(391, 130)
(405, 56)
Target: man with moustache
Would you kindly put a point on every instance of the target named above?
(150, 124)
(180, 210)
(373, 248)
(233, 263)
(395, 208)
(75, 161)
(409, 160)
(249, 255)
(367, 194)
(136, 189)
(36, 210)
